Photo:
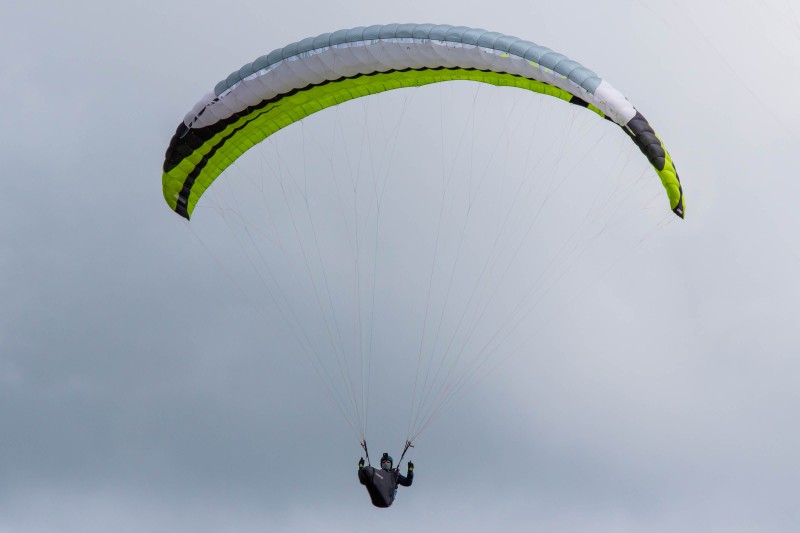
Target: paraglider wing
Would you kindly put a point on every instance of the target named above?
(293, 82)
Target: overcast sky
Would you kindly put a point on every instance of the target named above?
(138, 391)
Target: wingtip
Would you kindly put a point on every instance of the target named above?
(679, 209)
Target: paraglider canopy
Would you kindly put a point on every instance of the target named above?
(302, 78)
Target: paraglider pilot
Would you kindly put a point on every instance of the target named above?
(382, 482)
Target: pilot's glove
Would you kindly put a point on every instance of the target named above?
(361, 464)
(410, 467)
